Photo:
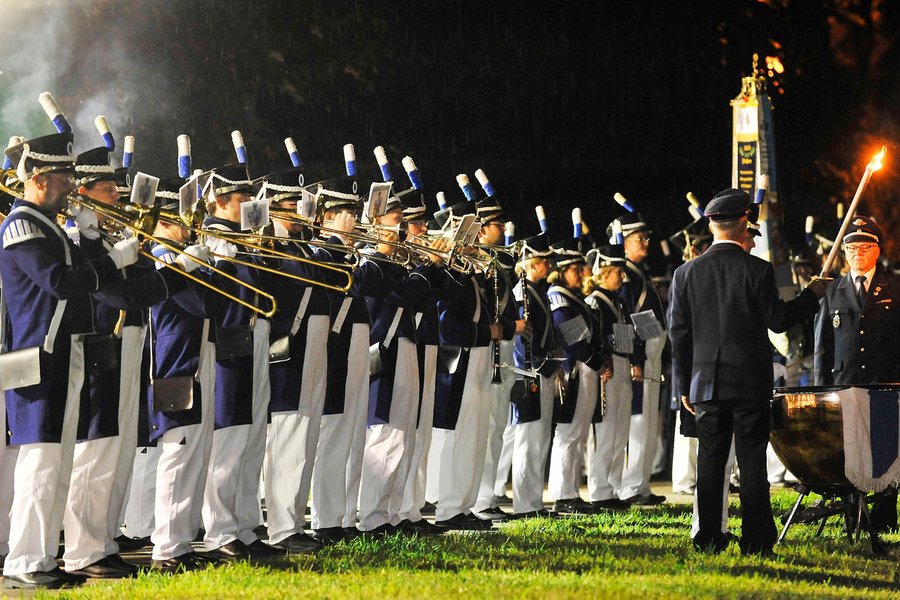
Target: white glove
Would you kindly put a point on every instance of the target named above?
(86, 221)
(198, 251)
(221, 248)
(125, 253)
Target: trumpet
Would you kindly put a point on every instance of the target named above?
(143, 220)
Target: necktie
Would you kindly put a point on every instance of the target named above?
(861, 289)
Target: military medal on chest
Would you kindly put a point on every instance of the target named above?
(836, 320)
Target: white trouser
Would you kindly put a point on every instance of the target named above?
(644, 431)
(567, 450)
(42, 475)
(459, 453)
(181, 463)
(684, 460)
(7, 478)
(504, 461)
(530, 448)
(129, 405)
(207, 375)
(230, 505)
(101, 470)
(390, 446)
(498, 421)
(140, 507)
(607, 440)
(336, 436)
(291, 447)
(414, 492)
(695, 518)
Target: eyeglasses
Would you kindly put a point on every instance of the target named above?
(641, 238)
(859, 248)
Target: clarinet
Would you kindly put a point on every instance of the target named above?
(496, 375)
(526, 343)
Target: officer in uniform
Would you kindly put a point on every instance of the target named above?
(50, 280)
(721, 305)
(858, 330)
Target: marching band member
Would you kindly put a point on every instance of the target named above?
(180, 396)
(394, 372)
(297, 369)
(343, 424)
(50, 278)
(462, 393)
(241, 342)
(580, 333)
(427, 336)
(499, 295)
(607, 439)
(532, 397)
(639, 294)
(107, 432)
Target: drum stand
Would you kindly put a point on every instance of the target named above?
(836, 500)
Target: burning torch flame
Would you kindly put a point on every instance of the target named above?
(875, 163)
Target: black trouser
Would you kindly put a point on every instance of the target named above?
(748, 419)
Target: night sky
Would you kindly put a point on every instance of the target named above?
(561, 103)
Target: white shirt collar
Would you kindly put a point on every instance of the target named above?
(727, 242)
(868, 275)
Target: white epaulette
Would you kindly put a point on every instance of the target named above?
(167, 256)
(557, 299)
(20, 230)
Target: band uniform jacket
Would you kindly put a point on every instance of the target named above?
(35, 278)
(176, 333)
(578, 330)
(857, 344)
(720, 306)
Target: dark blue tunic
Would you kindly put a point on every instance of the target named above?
(35, 278)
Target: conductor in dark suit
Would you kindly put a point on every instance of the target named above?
(720, 306)
(858, 331)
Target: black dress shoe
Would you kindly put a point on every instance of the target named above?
(492, 514)
(106, 568)
(427, 509)
(262, 551)
(329, 535)
(500, 500)
(236, 550)
(464, 522)
(611, 504)
(192, 561)
(573, 506)
(645, 500)
(55, 579)
(420, 527)
(532, 514)
(351, 533)
(299, 543)
(118, 560)
(130, 544)
(382, 531)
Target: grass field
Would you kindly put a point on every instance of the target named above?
(641, 553)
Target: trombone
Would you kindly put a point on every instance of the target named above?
(143, 219)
